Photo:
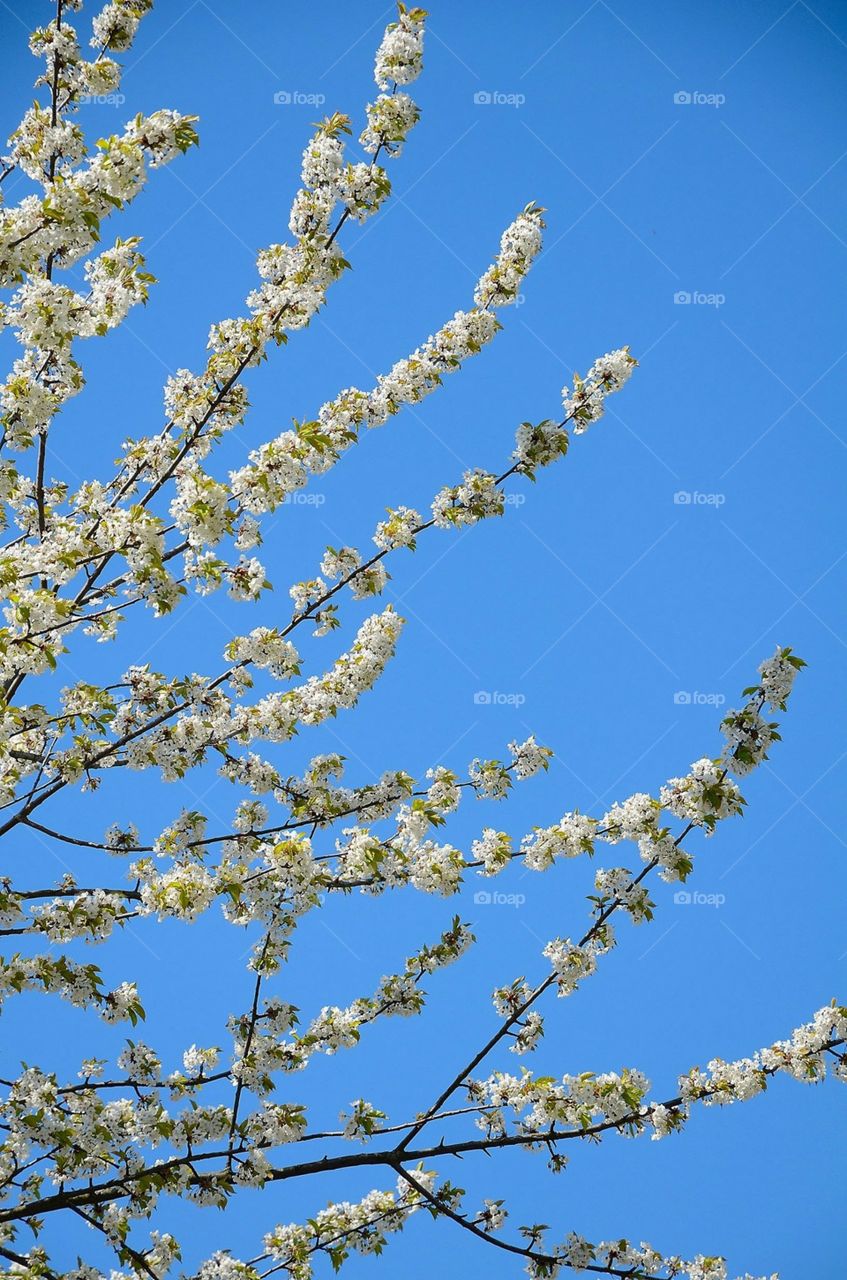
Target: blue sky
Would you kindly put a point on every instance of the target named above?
(592, 604)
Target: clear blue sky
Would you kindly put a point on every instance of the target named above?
(596, 600)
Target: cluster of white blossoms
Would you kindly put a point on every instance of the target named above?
(267, 649)
(537, 445)
(398, 530)
(493, 849)
(543, 1106)
(80, 984)
(38, 142)
(571, 836)
(490, 779)
(399, 58)
(48, 317)
(749, 736)
(571, 962)
(530, 1026)
(519, 245)
(777, 677)
(115, 25)
(583, 402)
(615, 884)
(390, 119)
(91, 915)
(803, 1057)
(362, 1121)
(703, 797)
(476, 498)
(529, 757)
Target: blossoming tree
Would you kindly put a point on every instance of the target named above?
(116, 1145)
